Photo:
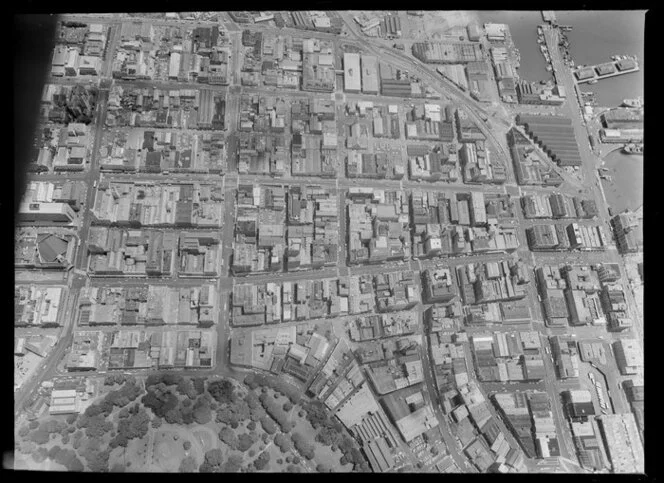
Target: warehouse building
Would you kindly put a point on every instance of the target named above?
(369, 74)
(555, 135)
(352, 73)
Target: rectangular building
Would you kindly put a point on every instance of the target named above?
(352, 72)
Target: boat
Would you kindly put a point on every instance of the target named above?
(594, 81)
(633, 148)
(632, 102)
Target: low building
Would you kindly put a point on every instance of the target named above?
(439, 285)
(622, 443)
(46, 213)
(628, 356)
(352, 73)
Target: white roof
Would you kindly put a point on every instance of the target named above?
(352, 79)
(63, 393)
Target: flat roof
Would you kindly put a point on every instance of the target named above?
(352, 79)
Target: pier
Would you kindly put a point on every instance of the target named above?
(549, 16)
(614, 68)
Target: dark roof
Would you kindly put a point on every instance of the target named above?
(50, 247)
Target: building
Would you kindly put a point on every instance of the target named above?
(46, 213)
(609, 273)
(565, 355)
(439, 285)
(542, 237)
(622, 443)
(555, 135)
(628, 356)
(352, 73)
(64, 402)
(529, 166)
(628, 229)
(37, 305)
(89, 65)
(369, 74)
(448, 52)
(579, 404)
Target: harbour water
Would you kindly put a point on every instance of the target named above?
(595, 37)
(523, 28)
(626, 188)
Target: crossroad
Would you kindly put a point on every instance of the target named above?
(340, 184)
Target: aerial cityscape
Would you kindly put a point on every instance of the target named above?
(334, 241)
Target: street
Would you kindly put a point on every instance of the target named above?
(586, 181)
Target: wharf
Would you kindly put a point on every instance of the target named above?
(584, 71)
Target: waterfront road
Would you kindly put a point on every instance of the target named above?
(591, 179)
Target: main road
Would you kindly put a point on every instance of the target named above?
(565, 77)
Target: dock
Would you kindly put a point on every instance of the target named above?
(549, 16)
(598, 72)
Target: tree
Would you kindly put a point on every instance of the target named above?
(228, 436)
(287, 406)
(321, 468)
(174, 416)
(199, 384)
(222, 391)
(214, 457)
(40, 437)
(135, 426)
(23, 431)
(188, 465)
(33, 424)
(283, 442)
(244, 442)
(186, 445)
(118, 468)
(262, 461)
(187, 403)
(302, 446)
(233, 463)
(186, 388)
(328, 436)
(156, 422)
(171, 379)
(343, 461)
(293, 469)
(250, 381)
(53, 452)
(40, 455)
(65, 439)
(75, 465)
(202, 413)
(251, 425)
(27, 447)
(95, 427)
(268, 425)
